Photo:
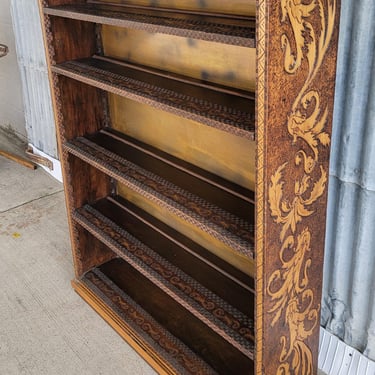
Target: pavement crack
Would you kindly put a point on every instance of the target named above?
(31, 201)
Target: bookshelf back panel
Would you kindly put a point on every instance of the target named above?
(239, 7)
(186, 139)
(220, 249)
(213, 62)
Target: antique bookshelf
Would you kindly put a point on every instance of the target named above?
(194, 140)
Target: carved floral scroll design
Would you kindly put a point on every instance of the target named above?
(312, 24)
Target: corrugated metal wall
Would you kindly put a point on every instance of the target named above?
(40, 126)
(348, 306)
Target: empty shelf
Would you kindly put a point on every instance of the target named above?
(225, 109)
(147, 336)
(236, 231)
(225, 320)
(229, 30)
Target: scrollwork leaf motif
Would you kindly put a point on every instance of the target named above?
(288, 286)
(296, 13)
(290, 281)
(309, 128)
(307, 119)
(291, 213)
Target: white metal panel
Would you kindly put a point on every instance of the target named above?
(33, 67)
(337, 358)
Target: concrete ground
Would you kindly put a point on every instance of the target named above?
(45, 327)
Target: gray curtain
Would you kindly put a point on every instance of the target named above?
(348, 305)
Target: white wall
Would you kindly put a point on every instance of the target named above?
(11, 103)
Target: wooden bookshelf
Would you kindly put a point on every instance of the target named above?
(194, 140)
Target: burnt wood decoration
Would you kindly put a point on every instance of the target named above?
(199, 273)
(296, 70)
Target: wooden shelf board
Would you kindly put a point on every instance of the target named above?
(238, 31)
(214, 273)
(222, 318)
(184, 97)
(187, 176)
(167, 355)
(222, 225)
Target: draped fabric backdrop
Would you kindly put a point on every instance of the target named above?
(348, 305)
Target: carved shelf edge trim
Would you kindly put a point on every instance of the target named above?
(260, 163)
